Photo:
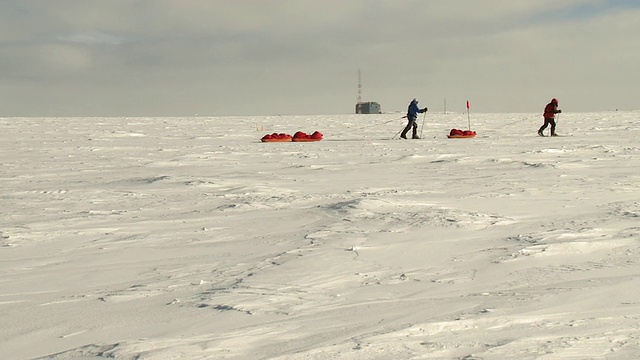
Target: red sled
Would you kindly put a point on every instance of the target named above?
(300, 136)
(460, 134)
(275, 137)
(276, 140)
(305, 139)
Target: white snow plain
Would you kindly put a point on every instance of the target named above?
(188, 238)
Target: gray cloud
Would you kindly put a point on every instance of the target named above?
(92, 38)
(165, 58)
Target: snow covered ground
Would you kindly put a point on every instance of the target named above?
(188, 238)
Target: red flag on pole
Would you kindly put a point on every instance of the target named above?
(468, 116)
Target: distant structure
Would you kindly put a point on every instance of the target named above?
(368, 107)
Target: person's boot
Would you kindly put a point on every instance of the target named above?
(403, 136)
(415, 137)
(540, 133)
(554, 134)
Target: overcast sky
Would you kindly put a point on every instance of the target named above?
(269, 57)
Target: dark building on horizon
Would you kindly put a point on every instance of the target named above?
(369, 107)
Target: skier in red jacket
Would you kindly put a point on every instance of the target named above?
(550, 112)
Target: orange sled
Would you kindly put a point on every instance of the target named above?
(461, 136)
(305, 139)
(277, 140)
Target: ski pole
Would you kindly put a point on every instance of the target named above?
(394, 136)
(555, 121)
(423, 118)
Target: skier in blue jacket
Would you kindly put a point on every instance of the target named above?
(412, 116)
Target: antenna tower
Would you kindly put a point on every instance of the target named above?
(359, 86)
